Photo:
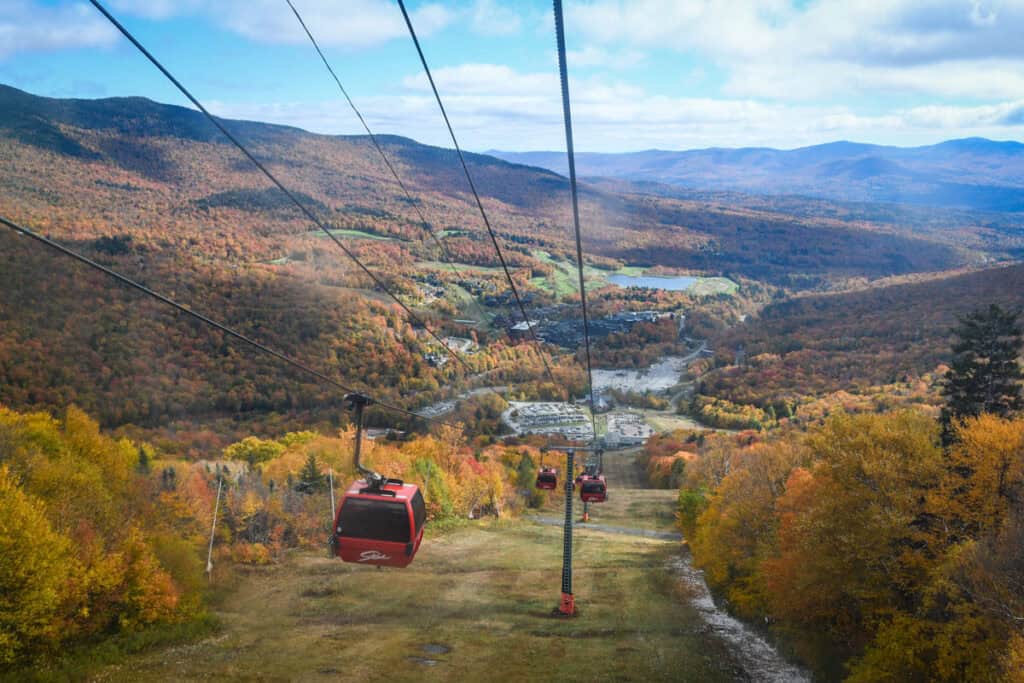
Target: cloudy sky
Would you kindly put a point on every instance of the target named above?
(644, 73)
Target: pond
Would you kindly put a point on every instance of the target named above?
(674, 284)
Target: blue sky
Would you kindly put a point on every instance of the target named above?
(644, 73)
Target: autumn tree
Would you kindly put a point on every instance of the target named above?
(851, 541)
(737, 530)
(254, 450)
(965, 609)
(35, 565)
(985, 375)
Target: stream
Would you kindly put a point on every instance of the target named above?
(759, 659)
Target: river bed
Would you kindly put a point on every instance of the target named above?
(759, 659)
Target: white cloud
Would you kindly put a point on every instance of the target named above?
(353, 23)
(993, 79)
(483, 78)
(491, 18)
(495, 106)
(958, 48)
(27, 27)
(952, 118)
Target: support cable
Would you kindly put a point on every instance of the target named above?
(445, 254)
(472, 187)
(18, 229)
(563, 73)
(302, 207)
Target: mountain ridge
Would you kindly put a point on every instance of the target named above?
(183, 176)
(967, 173)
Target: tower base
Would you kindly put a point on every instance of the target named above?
(567, 606)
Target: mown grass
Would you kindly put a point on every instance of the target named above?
(709, 286)
(565, 281)
(474, 606)
(357, 234)
(664, 422)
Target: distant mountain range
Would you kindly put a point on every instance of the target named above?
(972, 173)
(112, 169)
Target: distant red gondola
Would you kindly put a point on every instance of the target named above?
(593, 488)
(380, 525)
(547, 478)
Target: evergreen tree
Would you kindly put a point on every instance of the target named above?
(310, 478)
(985, 375)
(168, 479)
(143, 465)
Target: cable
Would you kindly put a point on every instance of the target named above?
(302, 207)
(202, 318)
(472, 187)
(563, 73)
(387, 162)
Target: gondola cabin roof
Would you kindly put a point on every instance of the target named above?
(392, 490)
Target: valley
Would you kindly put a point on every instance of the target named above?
(771, 365)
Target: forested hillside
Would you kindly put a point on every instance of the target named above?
(855, 343)
(154, 191)
(68, 336)
(164, 175)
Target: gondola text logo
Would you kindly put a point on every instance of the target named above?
(372, 555)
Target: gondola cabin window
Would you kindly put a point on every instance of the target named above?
(384, 521)
(419, 511)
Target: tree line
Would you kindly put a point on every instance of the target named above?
(886, 546)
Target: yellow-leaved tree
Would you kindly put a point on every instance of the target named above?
(35, 566)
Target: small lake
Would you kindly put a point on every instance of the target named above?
(673, 284)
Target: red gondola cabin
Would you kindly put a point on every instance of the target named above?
(547, 479)
(593, 489)
(382, 526)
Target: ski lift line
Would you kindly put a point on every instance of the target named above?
(302, 207)
(563, 73)
(18, 229)
(445, 254)
(472, 186)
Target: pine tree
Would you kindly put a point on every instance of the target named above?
(143, 465)
(310, 478)
(985, 375)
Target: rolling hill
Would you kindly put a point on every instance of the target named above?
(85, 169)
(856, 342)
(151, 190)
